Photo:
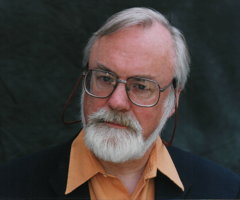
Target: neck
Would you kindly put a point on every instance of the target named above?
(128, 172)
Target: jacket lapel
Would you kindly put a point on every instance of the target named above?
(58, 179)
(166, 189)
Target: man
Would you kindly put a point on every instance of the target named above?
(136, 66)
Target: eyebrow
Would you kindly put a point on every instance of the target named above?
(105, 68)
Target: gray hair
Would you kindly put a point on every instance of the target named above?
(145, 17)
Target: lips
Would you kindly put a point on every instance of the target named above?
(111, 119)
(115, 125)
(112, 124)
(114, 120)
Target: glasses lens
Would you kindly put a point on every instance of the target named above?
(100, 83)
(143, 91)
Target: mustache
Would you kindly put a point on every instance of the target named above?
(123, 119)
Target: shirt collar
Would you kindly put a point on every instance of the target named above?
(165, 164)
(79, 172)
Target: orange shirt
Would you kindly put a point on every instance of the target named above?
(84, 166)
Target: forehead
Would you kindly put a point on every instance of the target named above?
(135, 51)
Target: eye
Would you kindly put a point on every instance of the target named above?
(141, 88)
(138, 86)
(105, 78)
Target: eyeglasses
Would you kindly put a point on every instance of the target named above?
(140, 91)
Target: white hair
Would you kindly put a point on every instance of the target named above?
(145, 17)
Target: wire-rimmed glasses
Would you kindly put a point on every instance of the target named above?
(141, 91)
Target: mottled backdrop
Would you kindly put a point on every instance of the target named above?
(41, 45)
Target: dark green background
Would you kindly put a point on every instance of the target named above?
(41, 45)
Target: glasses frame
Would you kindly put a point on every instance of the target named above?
(161, 89)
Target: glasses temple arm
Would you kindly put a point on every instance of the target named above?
(69, 100)
(173, 83)
(169, 143)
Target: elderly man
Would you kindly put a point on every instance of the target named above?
(136, 65)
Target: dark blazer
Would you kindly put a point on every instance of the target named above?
(43, 176)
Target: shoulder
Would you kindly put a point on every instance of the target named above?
(205, 178)
(42, 159)
(30, 174)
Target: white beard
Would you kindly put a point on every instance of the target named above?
(120, 145)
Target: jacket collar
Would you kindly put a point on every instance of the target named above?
(166, 187)
(58, 178)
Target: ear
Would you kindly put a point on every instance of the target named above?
(177, 93)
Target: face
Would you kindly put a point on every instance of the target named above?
(134, 51)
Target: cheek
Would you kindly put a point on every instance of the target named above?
(149, 119)
(92, 105)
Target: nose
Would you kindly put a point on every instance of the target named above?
(119, 100)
